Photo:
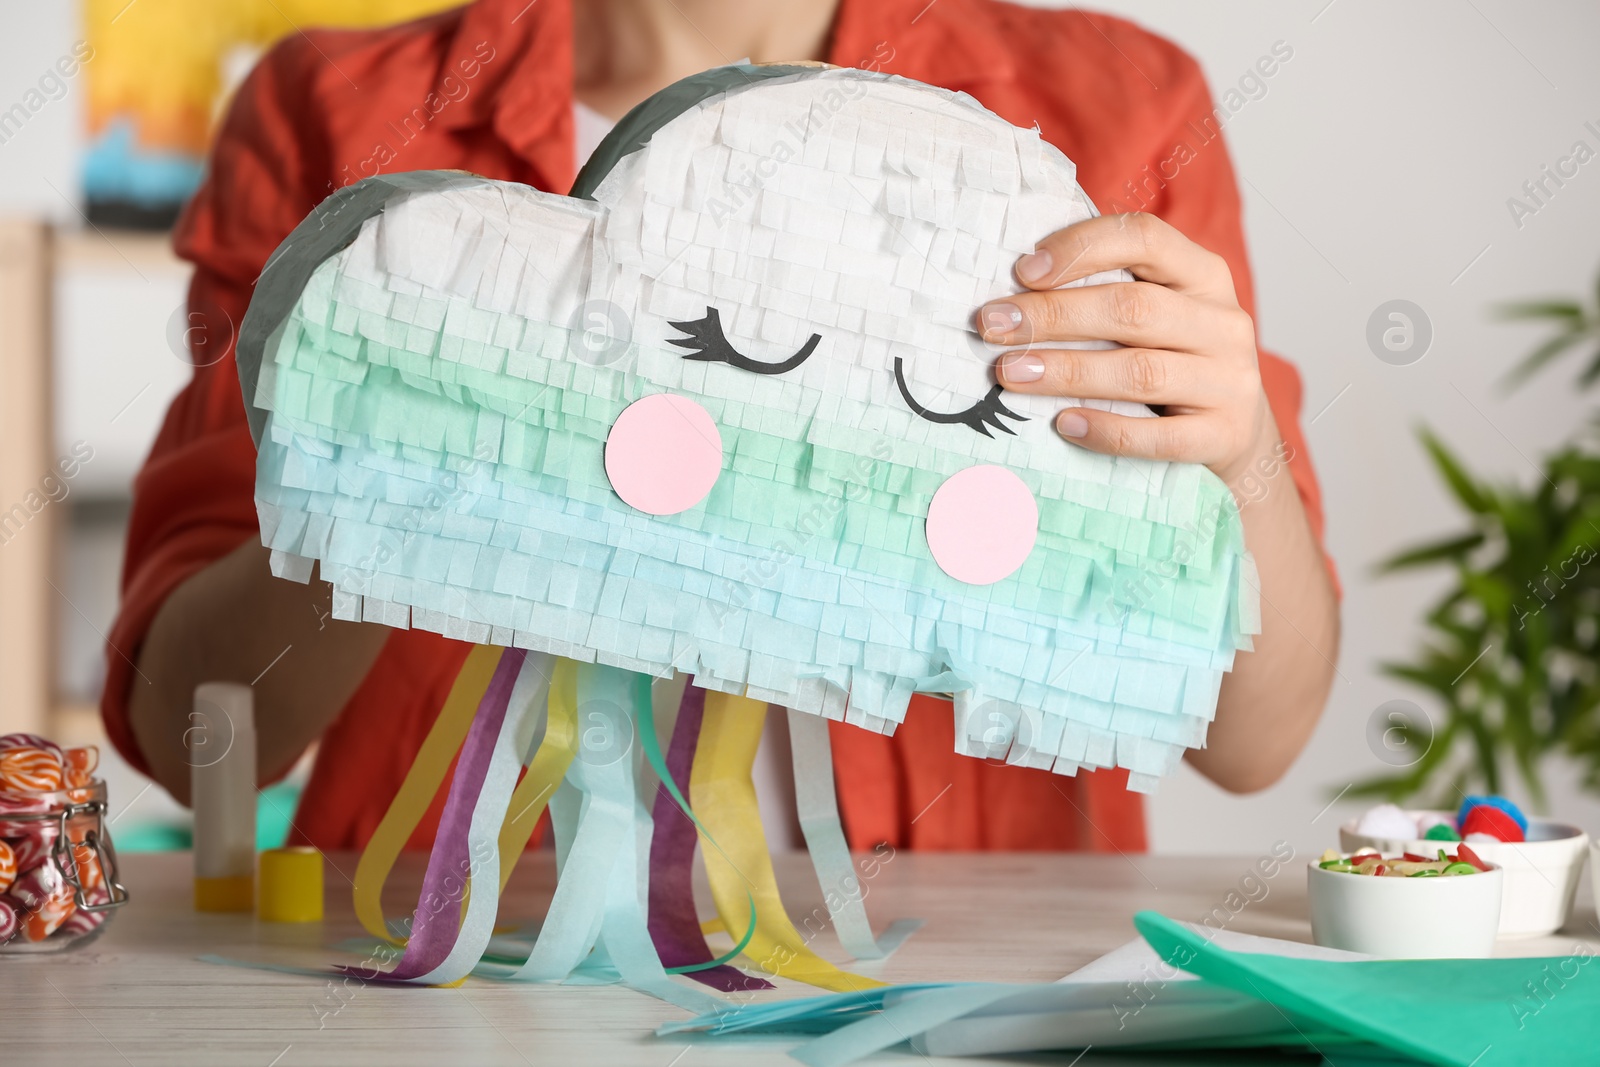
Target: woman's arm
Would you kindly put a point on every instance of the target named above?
(1272, 699)
(233, 621)
(1190, 352)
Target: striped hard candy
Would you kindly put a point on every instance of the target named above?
(33, 847)
(15, 803)
(11, 741)
(79, 764)
(40, 921)
(8, 921)
(27, 768)
(37, 887)
(81, 922)
(8, 866)
(90, 874)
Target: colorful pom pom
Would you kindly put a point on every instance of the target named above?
(1426, 820)
(1441, 831)
(1498, 802)
(1493, 821)
(1387, 821)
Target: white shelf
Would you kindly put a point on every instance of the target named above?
(118, 322)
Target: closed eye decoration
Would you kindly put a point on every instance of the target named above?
(711, 345)
(979, 416)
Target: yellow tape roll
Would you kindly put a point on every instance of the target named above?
(290, 884)
(724, 798)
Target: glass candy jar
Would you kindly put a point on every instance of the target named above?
(58, 869)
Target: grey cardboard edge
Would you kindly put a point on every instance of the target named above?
(330, 228)
(634, 130)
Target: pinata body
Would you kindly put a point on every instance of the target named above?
(433, 369)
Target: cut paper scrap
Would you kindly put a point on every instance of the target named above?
(554, 754)
(602, 827)
(674, 927)
(1132, 998)
(817, 807)
(419, 787)
(725, 801)
(720, 412)
(549, 750)
(485, 858)
(1191, 987)
(468, 831)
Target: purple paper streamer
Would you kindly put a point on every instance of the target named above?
(674, 926)
(434, 928)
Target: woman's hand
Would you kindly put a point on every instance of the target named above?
(1191, 350)
(1192, 354)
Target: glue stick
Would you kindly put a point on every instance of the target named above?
(221, 744)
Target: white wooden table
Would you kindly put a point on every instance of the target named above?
(139, 995)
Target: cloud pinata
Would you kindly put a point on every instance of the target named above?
(723, 411)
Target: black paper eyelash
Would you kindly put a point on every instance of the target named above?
(711, 345)
(979, 416)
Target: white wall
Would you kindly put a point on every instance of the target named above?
(44, 153)
(1377, 166)
(116, 368)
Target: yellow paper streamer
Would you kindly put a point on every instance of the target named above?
(724, 798)
(545, 772)
(418, 790)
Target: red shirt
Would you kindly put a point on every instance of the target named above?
(488, 88)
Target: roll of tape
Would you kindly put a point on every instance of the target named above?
(290, 888)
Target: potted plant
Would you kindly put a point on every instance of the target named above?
(1511, 648)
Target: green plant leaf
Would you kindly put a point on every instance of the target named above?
(1548, 351)
(1492, 592)
(1560, 310)
(1472, 496)
(1591, 373)
(1451, 548)
(1438, 679)
(1511, 649)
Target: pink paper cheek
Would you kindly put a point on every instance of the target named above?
(663, 454)
(982, 523)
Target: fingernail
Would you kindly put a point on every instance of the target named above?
(1020, 367)
(1001, 318)
(1071, 424)
(1035, 266)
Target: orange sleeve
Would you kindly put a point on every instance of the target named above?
(193, 501)
(1190, 183)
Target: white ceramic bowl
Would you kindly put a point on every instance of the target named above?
(1594, 874)
(1541, 873)
(1406, 918)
